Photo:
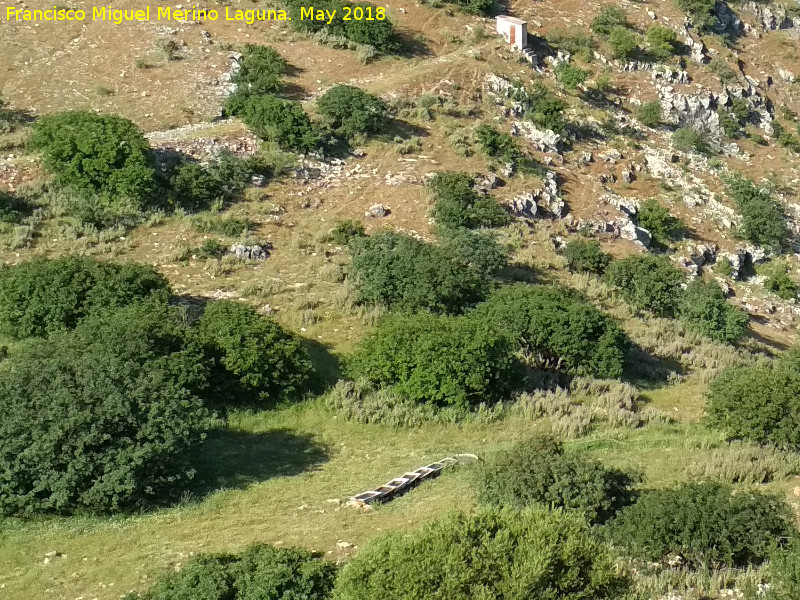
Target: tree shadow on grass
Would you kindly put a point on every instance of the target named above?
(234, 459)
(645, 370)
(327, 367)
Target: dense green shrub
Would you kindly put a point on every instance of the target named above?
(457, 204)
(759, 402)
(476, 7)
(656, 219)
(570, 77)
(101, 418)
(557, 328)
(511, 555)
(194, 187)
(440, 359)
(97, 154)
(763, 221)
(402, 272)
(256, 361)
(649, 113)
(260, 72)
(42, 296)
(704, 308)
(261, 572)
(344, 231)
(281, 121)
(701, 12)
(351, 111)
(647, 282)
(586, 257)
(12, 209)
(381, 34)
(546, 109)
(708, 524)
(607, 19)
(662, 42)
(690, 140)
(538, 471)
(782, 285)
(623, 42)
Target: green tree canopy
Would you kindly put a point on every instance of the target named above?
(648, 283)
(96, 154)
(538, 471)
(457, 204)
(100, 419)
(257, 361)
(514, 555)
(708, 524)
(41, 296)
(704, 308)
(351, 111)
(557, 328)
(439, 359)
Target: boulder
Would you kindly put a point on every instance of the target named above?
(377, 211)
(634, 233)
(252, 252)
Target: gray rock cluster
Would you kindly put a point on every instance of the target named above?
(771, 16)
(544, 202)
(251, 252)
(377, 211)
(545, 140)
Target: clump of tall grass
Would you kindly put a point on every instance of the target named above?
(741, 462)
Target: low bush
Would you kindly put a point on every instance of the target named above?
(42, 296)
(656, 219)
(701, 12)
(662, 42)
(194, 187)
(457, 204)
(281, 121)
(537, 471)
(557, 329)
(763, 221)
(379, 33)
(512, 555)
(258, 573)
(586, 257)
(404, 273)
(722, 70)
(649, 113)
(546, 110)
(344, 231)
(504, 148)
(648, 282)
(709, 525)
(99, 156)
(261, 70)
(443, 360)
(256, 361)
(607, 19)
(758, 402)
(703, 307)
(351, 112)
(623, 42)
(570, 77)
(101, 419)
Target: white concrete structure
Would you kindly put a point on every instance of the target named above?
(515, 31)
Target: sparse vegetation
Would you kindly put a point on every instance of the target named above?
(690, 140)
(649, 113)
